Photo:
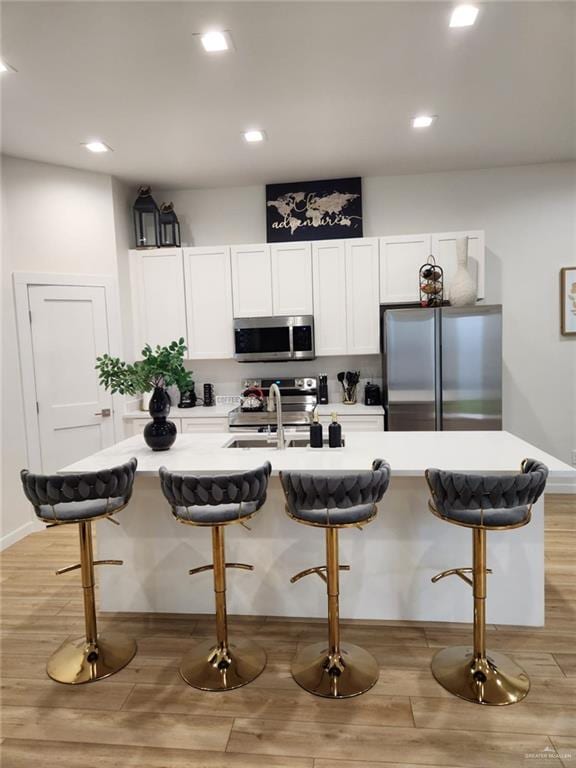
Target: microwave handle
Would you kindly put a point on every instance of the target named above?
(291, 340)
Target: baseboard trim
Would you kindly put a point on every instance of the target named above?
(11, 538)
(560, 485)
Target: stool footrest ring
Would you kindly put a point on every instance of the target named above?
(319, 570)
(74, 567)
(460, 572)
(203, 568)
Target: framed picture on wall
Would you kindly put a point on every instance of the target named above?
(314, 210)
(568, 301)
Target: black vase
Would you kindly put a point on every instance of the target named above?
(160, 433)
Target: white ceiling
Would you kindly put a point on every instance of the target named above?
(334, 84)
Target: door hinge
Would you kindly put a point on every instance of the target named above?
(37, 407)
(30, 316)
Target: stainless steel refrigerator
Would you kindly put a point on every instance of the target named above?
(442, 368)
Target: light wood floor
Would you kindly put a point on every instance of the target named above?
(146, 716)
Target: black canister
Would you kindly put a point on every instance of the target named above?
(335, 433)
(208, 395)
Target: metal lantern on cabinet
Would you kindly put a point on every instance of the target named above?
(431, 282)
(146, 220)
(169, 226)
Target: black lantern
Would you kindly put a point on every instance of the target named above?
(146, 220)
(169, 226)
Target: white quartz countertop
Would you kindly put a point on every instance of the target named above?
(222, 411)
(409, 454)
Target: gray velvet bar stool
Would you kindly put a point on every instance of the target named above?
(482, 503)
(216, 501)
(334, 500)
(80, 499)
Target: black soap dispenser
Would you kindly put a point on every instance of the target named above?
(316, 440)
(335, 433)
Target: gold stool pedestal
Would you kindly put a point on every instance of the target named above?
(211, 667)
(349, 672)
(77, 661)
(493, 679)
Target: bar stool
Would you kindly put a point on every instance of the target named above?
(81, 498)
(333, 500)
(216, 501)
(482, 503)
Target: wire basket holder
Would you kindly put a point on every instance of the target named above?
(431, 283)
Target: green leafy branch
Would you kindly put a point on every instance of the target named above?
(159, 367)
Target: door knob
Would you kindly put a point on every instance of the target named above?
(104, 412)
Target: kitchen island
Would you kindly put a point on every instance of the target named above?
(392, 559)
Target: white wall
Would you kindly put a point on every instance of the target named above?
(528, 215)
(54, 219)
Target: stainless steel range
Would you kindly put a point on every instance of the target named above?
(299, 398)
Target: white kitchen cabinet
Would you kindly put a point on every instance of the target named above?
(291, 279)
(362, 296)
(158, 301)
(251, 280)
(401, 257)
(208, 281)
(208, 424)
(329, 280)
(444, 251)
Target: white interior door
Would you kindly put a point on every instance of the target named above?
(69, 330)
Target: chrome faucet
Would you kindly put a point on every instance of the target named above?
(275, 399)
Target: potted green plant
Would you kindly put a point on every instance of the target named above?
(159, 368)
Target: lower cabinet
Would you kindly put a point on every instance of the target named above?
(354, 423)
(184, 426)
(211, 424)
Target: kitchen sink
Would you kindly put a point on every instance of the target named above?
(266, 441)
(251, 442)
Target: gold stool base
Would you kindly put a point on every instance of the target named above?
(78, 662)
(353, 672)
(207, 668)
(495, 680)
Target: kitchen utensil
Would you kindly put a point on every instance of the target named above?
(341, 376)
(352, 379)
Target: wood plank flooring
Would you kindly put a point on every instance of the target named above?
(146, 717)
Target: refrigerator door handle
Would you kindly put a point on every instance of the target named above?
(438, 368)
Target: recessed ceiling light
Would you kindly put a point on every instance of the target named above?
(97, 146)
(423, 121)
(254, 136)
(215, 41)
(463, 16)
(4, 67)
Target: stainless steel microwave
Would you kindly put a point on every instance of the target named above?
(274, 338)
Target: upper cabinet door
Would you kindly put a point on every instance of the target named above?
(209, 302)
(329, 278)
(444, 250)
(362, 296)
(159, 309)
(251, 280)
(401, 257)
(292, 279)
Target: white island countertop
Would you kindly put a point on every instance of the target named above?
(409, 454)
(392, 561)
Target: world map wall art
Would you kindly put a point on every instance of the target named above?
(314, 210)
